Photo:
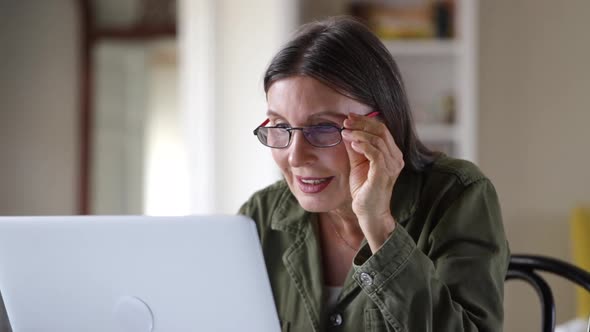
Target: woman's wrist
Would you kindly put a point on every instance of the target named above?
(378, 230)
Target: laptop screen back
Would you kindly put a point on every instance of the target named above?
(134, 274)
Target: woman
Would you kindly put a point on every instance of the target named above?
(369, 230)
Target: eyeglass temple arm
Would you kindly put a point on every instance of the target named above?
(261, 125)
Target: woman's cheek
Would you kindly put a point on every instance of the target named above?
(281, 160)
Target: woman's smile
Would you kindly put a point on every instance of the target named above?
(313, 185)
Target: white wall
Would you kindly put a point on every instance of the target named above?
(166, 171)
(534, 131)
(120, 101)
(249, 33)
(38, 107)
(229, 164)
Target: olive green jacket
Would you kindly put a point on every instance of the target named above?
(443, 270)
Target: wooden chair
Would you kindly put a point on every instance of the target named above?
(526, 267)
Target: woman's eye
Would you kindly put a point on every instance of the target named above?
(281, 125)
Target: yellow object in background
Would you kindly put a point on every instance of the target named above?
(580, 228)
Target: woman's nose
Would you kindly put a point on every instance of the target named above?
(301, 152)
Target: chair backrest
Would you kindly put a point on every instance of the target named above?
(526, 267)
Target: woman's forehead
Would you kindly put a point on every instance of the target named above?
(302, 89)
(311, 115)
(306, 96)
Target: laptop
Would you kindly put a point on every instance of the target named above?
(134, 274)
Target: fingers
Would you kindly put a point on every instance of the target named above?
(355, 158)
(373, 126)
(374, 156)
(372, 132)
(368, 146)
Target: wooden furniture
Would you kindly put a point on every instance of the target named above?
(527, 268)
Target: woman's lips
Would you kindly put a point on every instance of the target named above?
(311, 185)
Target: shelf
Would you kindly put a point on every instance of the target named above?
(436, 132)
(135, 33)
(423, 47)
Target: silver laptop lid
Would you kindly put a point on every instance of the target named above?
(134, 274)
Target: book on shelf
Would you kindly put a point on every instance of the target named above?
(414, 19)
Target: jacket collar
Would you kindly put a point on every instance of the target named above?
(288, 215)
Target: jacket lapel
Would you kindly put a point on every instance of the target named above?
(302, 259)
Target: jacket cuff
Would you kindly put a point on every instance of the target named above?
(373, 270)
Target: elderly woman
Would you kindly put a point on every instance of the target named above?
(369, 230)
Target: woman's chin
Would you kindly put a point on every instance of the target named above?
(316, 205)
(324, 200)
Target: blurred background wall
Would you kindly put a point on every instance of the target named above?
(38, 107)
(533, 130)
(534, 99)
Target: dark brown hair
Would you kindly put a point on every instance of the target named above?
(345, 55)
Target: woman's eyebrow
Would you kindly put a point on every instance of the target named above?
(328, 113)
(272, 113)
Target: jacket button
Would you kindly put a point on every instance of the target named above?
(366, 279)
(336, 319)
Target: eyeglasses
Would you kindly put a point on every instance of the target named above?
(320, 136)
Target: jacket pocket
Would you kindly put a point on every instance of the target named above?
(374, 321)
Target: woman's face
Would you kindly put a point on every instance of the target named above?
(318, 177)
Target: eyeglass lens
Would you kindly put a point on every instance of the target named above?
(319, 136)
